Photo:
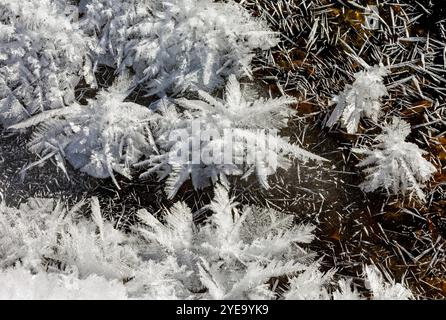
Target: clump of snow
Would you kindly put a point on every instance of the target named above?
(20, 284)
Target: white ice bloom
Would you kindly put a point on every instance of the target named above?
(175, 45)
(174, 259)
(43, 235)
(362, 99)
(106, 135)
(59, 253)
(222, 137)
(383, 290)
(235, 136)
(312, 284)
(394, 164)
(48, 251)
(235, 253)
(25, 233)
(43, 55)
(21, 284)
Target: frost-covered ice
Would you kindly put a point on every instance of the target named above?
(277, 211)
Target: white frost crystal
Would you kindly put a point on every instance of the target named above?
(43, 55)
(362, 99)
(49, 251)
(393, 163)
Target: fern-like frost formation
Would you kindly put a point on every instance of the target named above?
(361, 99)
(176, 45)
(233, 255)
(239, 138)
(43, 56)
(164, 89)
(394, 164)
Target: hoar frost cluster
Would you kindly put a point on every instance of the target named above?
(50, 251)
(170, 45)
(176, 45)
(240, 115)
(110, 135)
(393, 163)
(105, 136)
(361, 99)
(187, 56)
(43, 56)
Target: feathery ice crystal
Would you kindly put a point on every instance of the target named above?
(393, 163)
(176, 48)
(233, 136)
(175, 45)
(363, 98)
(106, 135)
(49, 251)
(20, 284)
(43, 55)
